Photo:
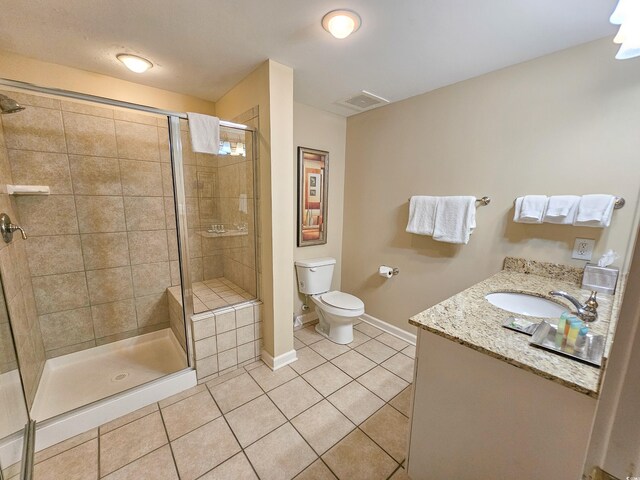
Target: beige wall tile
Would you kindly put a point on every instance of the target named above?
(54, 254)
(196, 270)
(58, 352)
(150, 278)
(141, 178)
(148, 246)
(95, 175)
(167, 180)
(32, 100)
(115, 317)
(35, 128)
(170, 212)
(41, 168)
(9, 270)
(152, 309)
(66, 328)
(55, 293)
(109, 284)
(100, 214)
(47, 215)
(89, 135)
(129, 115)
(172, 242)
(163, 142)
(212, 267)
(86, 108)
(105, 250)
(137, 141)
(144, 213)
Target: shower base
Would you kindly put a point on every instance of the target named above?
(80, 378)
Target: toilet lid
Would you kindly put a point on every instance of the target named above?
(342, 300)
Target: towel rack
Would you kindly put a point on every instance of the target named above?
(487, 200)
(619, 203)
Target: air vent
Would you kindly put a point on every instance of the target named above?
(363, 101)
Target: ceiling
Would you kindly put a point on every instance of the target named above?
(205, 47)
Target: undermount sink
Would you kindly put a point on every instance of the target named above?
(525, 304)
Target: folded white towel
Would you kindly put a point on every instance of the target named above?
(204, 131)
(455, 219)
(595, 211)
(562, 209)
(530, 208)
(422, 215)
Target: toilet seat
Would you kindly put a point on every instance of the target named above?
(342, 300)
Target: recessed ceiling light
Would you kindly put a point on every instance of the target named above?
(134, 63)
(341, 23)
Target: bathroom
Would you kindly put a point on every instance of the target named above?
(560, 123)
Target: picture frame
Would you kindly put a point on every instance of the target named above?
(313, 189)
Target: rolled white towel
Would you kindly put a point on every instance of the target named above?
(595, 210)
(562, 209)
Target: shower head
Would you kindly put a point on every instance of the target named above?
(8, 105)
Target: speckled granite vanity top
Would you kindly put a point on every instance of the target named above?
(469, 319)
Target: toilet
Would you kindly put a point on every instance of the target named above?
(336, 310)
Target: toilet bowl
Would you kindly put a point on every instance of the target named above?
(336, 310)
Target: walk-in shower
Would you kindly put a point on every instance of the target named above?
(136, 234)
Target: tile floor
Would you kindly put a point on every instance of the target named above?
(338, 412)
(217, 293)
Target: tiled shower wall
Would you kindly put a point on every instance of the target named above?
(19, 296)
(214, 186)
(102, 247)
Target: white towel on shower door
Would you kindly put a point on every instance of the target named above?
(204, 131)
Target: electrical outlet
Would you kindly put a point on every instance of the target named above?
(583, 248)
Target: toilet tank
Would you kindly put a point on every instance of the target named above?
(314, 275)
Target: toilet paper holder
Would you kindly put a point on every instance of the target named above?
(388, 272)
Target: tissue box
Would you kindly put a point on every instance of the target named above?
(600, 279)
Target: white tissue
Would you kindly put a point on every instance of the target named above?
(384, 271)
(608, 258)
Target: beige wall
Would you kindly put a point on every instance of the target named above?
(270, 87)
(564, 123)
(321, 130)
(17, 67)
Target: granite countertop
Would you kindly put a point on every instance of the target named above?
(469, 319)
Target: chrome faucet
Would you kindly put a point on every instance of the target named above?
(588, 311)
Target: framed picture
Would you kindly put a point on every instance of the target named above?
(313, 186)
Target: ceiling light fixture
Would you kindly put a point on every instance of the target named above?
(134, 63)
(341, 23)
(627, 15)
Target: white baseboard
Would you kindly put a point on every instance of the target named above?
(279, 361)
(390, 329)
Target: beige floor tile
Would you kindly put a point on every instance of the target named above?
(307, 359)
(130, 442)
(389, 429)
(401, 365)
(235, 392)
(255, 419)
(383, 383)
(226, 376)
(368, 329)
(294, 397)
(157, 465)
(358, 338)
(357, 457)
(322, 426)
(410, 351)
(119, 422)
(297, 344)
(58, 448)
(327, 378)
(203, 449)
(189, 414)
(400, 474)
(392, 341)
(356, 402)
(268, 379)
(329, 349)
(281, 455)
(402, 401)
(376, 351)
(236, 468)
(78, 463)
(308, 335)
(181, 396)
(353, 363)
(317, 471)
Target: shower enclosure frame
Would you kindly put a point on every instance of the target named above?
(177, 167)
